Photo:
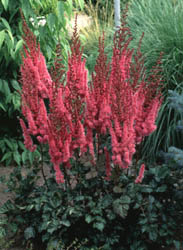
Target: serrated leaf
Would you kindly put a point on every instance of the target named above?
(29, 233)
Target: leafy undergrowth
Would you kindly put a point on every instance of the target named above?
(94, 213)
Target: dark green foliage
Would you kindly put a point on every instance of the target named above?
(103, 215)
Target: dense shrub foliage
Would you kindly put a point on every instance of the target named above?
(99, 214)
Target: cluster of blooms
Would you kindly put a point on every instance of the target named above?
(119, 102)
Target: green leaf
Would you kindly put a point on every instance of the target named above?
(2, 37)
(5, 4)
(11, 37)
(6, 156)
(125, 199)
(2, 232)
(153, 235)
(7, 207)
(24, 156)
(99, 226)
(18, 46)
(65, 223)
(161, 189)
(3, 107)
(177, 244)
(51, 19)
(9, 143)
(13, 227)
(29, 233)
(120, 207)
(60, 10)
(88, 218)
(6, 24)
(80, 3)
(17, 157)
(15, 85)
(147, 189)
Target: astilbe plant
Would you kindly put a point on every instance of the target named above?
(120, 102)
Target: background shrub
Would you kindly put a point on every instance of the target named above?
(51, 33)
(161, 22)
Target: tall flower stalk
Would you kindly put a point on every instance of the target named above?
(119, 103)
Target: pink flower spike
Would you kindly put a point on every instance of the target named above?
(141, 174)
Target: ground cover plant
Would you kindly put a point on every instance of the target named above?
(162, 26)
(88, 133)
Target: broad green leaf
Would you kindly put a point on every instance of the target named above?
(15, 85)
(162, 188)
(5, 88)
(16, 157)
(6, 207)
(80, 3)
(6, 24)
(88, 218)
(65, 223)
(2, 37)
(99, 226)
(51, 19)
(6, 156)
(153, 235)
(24, 156)
(5, 4)
(9, 143)
(11, 36)
(29, 233)
(16, 101)
(18, 45)
(60, 10)
(2, 232)
(125, 199)
(2, 107)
